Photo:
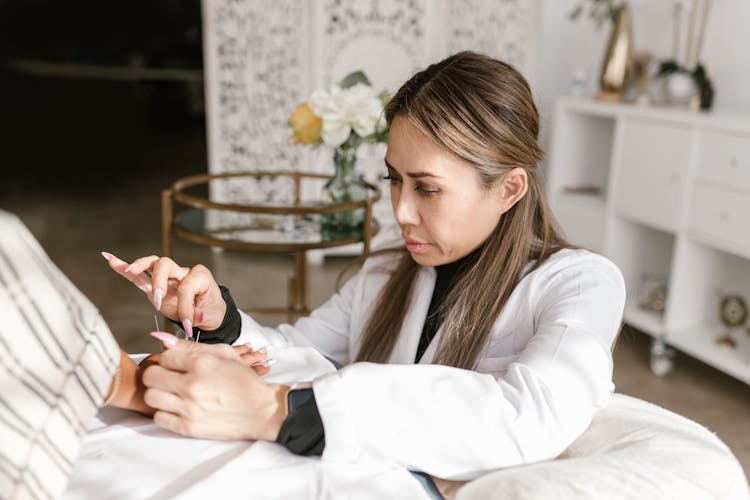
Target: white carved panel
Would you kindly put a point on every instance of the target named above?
(504, 29)
(256, 61)
(263, 57)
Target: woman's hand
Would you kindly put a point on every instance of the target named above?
(207, 391)
(258, 360)
(188, 295)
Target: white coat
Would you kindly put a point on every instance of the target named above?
(545, 373)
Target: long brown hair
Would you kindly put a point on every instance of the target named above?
(482, 110)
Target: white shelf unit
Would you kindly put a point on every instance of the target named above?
(666, 193)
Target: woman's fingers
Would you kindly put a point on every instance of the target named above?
(183, 356)
(118, 265)
(172, 422)
(257, 360)
(141, 264)
(261, 370)
(254, 358)
(198, 287)
(242, 348)
(163, 378)
(162, 270)
(163, 401)
(187, 295)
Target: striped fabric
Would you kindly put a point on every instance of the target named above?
(57, 358)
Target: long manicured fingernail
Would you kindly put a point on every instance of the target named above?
(268, 362)
(129, 268)
(107, 255)
(167, 339)
(187, 326)
(158, 295)
(262, 350)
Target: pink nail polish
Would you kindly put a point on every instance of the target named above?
(268, 362)
(107, 255)
(129, 268)
(167, 339)
(187, 326)
(158, 295)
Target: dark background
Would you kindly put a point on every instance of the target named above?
(81, 134)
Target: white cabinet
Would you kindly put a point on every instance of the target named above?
(665, 194)
(721, 217)
(652, 172)
(725, 159)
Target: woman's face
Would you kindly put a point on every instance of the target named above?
(442, 209)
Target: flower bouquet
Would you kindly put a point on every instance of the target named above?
(342, 116)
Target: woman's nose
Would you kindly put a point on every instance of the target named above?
(405, 209)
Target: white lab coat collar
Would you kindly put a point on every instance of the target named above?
(405, 349)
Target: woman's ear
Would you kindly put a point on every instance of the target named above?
(512, 188)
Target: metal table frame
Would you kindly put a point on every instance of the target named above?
(297, 291)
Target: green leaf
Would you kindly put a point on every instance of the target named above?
(668, 67)
(354, 78)
(700, 77)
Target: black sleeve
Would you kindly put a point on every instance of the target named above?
(302, 431)
(230, 326)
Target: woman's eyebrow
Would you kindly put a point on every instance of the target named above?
(413, 175)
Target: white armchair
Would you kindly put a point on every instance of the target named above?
(633, 450)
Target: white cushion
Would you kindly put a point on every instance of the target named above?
(631, 450)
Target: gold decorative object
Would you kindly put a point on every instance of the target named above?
(733, 314)
(617, 66)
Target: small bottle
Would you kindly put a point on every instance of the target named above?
(578, 82)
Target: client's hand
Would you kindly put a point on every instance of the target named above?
(254, 359)
(126, 389)
(188, 295)
(207, 391)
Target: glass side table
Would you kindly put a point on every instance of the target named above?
(271, 218)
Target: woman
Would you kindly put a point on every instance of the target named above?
(485, 344)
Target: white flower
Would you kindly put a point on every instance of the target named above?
(343, 110)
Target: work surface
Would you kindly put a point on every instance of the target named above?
(127, 456)
(631, 450)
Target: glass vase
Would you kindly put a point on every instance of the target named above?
(344, 187)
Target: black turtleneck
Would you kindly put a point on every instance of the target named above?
(447, 276)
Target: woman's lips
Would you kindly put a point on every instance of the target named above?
(415, 246)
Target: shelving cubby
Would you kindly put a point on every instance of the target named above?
(579, 185)
(640, 252)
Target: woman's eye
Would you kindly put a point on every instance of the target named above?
(426, 192)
